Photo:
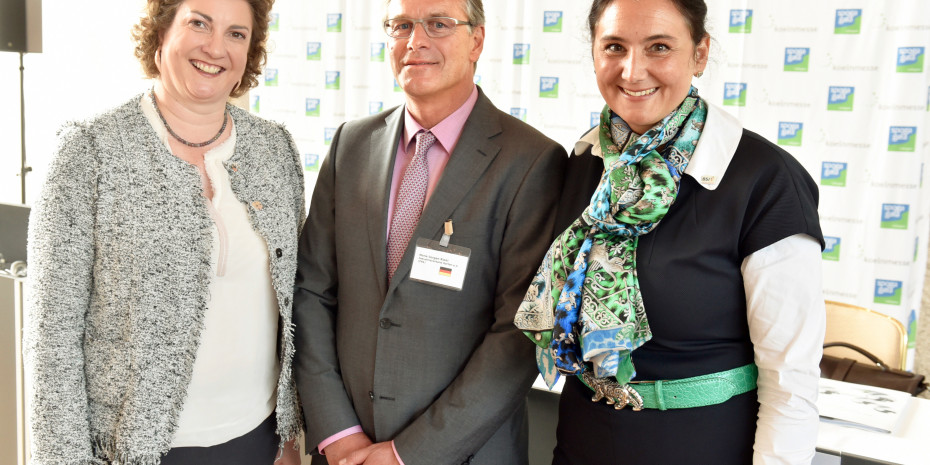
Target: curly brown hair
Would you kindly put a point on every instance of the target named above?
(159, 14)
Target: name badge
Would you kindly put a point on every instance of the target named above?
(438, 265)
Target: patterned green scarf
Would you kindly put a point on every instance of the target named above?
(584, 305)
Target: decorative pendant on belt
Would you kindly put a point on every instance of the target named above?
(616, 395)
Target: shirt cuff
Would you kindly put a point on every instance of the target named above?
(396, 456)
(340, 435)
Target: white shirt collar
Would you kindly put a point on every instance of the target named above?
(716, 147)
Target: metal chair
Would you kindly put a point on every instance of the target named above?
(875, 332)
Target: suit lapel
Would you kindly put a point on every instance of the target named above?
(467, 163)
(383, 150)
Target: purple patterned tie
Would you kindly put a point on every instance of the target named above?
(409, 203)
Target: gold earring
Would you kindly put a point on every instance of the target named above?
(699, 74)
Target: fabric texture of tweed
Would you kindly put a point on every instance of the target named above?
(119, 266)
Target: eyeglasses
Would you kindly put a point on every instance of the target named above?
(439, 26)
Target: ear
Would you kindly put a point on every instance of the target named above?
(157, 59)
(701, 53)
(157, 56)
(477, 38)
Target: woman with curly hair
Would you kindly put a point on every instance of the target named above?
(162, 253)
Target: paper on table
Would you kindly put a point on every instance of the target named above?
(860, 406)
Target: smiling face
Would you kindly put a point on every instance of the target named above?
(644, 58)
(203, 53)
(435, 69)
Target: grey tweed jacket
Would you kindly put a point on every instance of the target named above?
(119, 267)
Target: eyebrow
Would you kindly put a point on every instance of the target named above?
(429, 15)
(205, 16)
(651, 38)
(210, 19)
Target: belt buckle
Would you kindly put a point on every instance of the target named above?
(615, 394)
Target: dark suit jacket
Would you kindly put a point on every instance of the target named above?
(443, 373)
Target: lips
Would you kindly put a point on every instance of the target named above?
(206, 67)
(640, 93)
(416, 60)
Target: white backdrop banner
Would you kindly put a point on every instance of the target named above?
(840, 84)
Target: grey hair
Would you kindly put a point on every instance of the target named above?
(474, 10)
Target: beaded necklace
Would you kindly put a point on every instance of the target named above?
(181, 140)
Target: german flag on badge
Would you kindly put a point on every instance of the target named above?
(443, 271)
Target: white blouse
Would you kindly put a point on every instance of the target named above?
(232, 387)
(787, 321)
(787, 318)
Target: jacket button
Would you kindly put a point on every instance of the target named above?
(385, 323)
(278, 253)
(371, 395)
(257, 205)
(234, 167)
(287, 301)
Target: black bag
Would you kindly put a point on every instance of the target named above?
(878, 375)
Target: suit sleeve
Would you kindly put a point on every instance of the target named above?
(497, 377)
(297, 164)
(61, 260)
(327, 408)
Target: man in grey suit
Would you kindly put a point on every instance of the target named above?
(406, 349)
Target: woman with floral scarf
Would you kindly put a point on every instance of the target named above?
(684, 295)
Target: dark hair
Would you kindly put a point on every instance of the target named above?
(159, 14)
(694, 11)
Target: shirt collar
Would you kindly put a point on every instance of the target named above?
(448, 130)
(716, 147)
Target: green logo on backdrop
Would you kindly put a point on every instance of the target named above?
(552, 21)
(888, 291)
(274, 24)
(332, 80)
(334, 22)
(833, 174)
(740, 21)
(549, 87)
(848, 21)
(790, 133)
(521, 54)
(893, 299)
(312, 107)
(314, 51)
(832, 250)
(912, 330)
(797, 59)
(734, 94)
(271, 77)
(910, 59)
(902, 138)
(895, 216)
(841, 98)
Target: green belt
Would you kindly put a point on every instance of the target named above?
(698, 391)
